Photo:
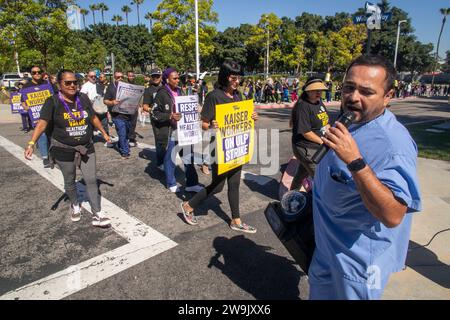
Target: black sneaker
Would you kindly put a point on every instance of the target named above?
(46, 163)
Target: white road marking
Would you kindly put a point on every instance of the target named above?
(144, 243)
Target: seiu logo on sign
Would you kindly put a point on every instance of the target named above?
(236, 108)
(192, 98)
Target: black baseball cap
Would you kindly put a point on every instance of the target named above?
(156, 71)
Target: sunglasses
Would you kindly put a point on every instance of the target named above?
(235, 78)
(36, 72)
(156, 76)
(92, 77)
(118, 77)
(70, 82)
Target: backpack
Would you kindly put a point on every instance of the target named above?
(99, 106)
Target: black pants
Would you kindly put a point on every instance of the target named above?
(233, 178)
(161, 136)
(132, 132)
(306, 167)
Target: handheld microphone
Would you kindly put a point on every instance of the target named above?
(346, 119)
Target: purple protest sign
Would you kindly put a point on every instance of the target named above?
(16, 103)
(35, 98)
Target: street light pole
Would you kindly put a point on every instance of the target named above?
(396, 43)
(197, 50)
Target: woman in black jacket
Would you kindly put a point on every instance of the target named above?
(164, 115)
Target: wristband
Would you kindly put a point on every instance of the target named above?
(31, 143)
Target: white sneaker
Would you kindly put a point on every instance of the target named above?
(75, 213)
(100, 220)
(196, 188)
(174, 189)
(114, 139)
(109, 144)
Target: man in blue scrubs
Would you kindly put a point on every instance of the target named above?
(365, 190)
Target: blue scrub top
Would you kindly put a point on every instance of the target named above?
(349, 238)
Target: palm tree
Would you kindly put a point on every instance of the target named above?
(137, 3)
(84, 13)
(93, 8)
(126, 10)
(445, 12)
(117, 19)
(102, 7)
(149, 17)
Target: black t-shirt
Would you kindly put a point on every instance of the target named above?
(308, 117)
(215, 97)
(63, 128)
(111, 93)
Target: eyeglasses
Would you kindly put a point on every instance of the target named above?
(70, 82)
(36, 72)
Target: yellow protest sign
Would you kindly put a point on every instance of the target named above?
(236, 136)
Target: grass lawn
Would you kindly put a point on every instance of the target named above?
(431, 145)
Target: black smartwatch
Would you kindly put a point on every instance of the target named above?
(356, 165)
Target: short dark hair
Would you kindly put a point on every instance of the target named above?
(35, 67)
(61, 73)
(228, 68)
(379, 61)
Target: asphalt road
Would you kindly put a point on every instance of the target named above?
(169, 259)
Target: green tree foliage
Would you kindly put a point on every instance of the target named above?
(265, 33)
(42, 37)
(132, 45)
(174, 31)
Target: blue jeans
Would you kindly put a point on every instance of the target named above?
(42, 144)
(123, 129)
(170, 165)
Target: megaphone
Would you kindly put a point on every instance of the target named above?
(292, 222)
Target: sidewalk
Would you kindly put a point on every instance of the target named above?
(427, 275)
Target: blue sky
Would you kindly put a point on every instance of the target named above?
(425, 15)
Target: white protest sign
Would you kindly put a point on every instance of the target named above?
(129, 96)
(189, 130)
